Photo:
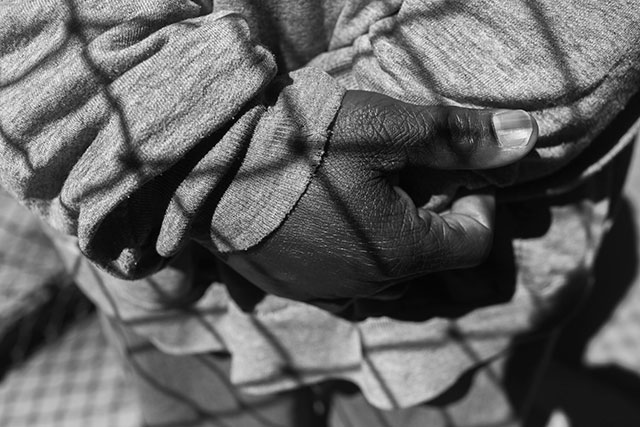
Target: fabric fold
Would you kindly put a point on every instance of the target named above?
(130, 126)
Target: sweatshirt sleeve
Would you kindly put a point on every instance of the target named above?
(573, 64)
(138, 126)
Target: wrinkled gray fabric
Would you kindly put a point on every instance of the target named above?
(572, 64)
(120, 119)
(127, 123)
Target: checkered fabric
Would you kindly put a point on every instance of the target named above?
(75, 382)
(37, 298)
(51, 373)
(30, 271)
(27, 260)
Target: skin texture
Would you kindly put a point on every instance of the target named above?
(355, 232)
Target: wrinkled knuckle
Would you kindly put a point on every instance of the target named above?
(368, 122)
(415, 127)
(382, 128)
(465, 131)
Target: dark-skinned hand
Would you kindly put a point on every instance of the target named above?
(354, 233)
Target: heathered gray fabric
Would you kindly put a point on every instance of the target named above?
(573, 64)
(120, 119)
(114, 110)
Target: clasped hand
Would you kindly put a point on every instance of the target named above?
(354, 232)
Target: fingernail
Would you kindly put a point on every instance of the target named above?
(513, 128)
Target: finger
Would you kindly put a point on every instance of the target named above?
(460, 238)
(464, 138)
(464, 235)
(440, 137)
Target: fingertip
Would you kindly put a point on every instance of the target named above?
(478, 206)
(469, 138)
(514, 134)
(514, 129)
(471, 220)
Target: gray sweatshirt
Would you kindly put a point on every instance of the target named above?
(147, 130)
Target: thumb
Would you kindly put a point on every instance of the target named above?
(440, 137)
(464, 138)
